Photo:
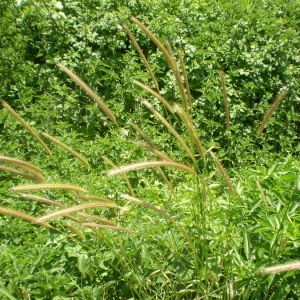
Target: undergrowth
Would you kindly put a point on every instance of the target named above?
(179, 222)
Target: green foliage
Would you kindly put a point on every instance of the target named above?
(202, 233)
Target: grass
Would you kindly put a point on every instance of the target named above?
(189, 229)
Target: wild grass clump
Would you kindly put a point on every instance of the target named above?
(192, 230)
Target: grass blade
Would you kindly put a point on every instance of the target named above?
(95, 218)
(154, 39)
(166, 180)
(116, 227)
(95, 198)
(74, 209)
(21, 215)
(166, 51)
(55, 203)
(270, 111)
(25, 125)
(225, 98)
(152, 147)
(152, 207)
(48, 186)
(124, 176)
(149, 164)
(186, 82)
(223, 173)
(47, 201)
(16, 172)
(76, 231)
(162, 156)
(36, 172)
(89, 91)
(289, 266)
(142, 56)
(170, 128)
(262, 193)
(20, 163)
(179, 81)
(143, 135)
(154, 150)
(67, 148)
(164, 101)
(194, 136)
(6, 293)
(41, 199)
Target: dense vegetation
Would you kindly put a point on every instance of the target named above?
(222, 201)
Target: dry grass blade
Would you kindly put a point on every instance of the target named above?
(76, 231)
(74, 209)
(170, 128)
(262, 193)
(164, 101)
(20, 163)
(154, 150)
(182, 85)
(25, 125)
(38, 177)
(150, 164)
(55, 203)
(223, 173)
(42, 200)
(186, 82)
(162, 156)
(166, 180)
(67, 148)
(48, 186)
(194, 136)
(168, 56)
(16, 172)
(143, 135)
(289, 266)
(36, 172)
(48, 201)
(95, 218)
(21, 215)
(183, 88)
(143, 57)
(270, 111)
(152, 147)
(116, 227)
(95, 198)
(225, 98)
(179, 81)
(154, 39)
(182, 115)
(152, 207)
(124, 176)
(89, 91)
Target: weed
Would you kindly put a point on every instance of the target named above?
(201, 241)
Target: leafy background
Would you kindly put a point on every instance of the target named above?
(256, 43)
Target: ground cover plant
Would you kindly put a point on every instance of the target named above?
(186, 189)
